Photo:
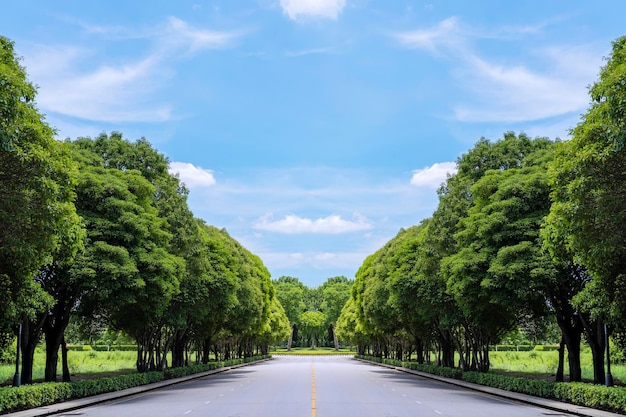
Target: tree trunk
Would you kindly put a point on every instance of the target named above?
(419, 349)
(595, 337)
(31, 334)
(66, 369)
(54, 337)
(179, 348)
(573, 357)
(290, 341)
(559, 370)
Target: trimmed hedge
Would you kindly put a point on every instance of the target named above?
(115, 348)
(587, 395)
(37, 395)
(523, 348)
(102, 348)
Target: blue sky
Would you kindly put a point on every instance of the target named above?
(313, 130)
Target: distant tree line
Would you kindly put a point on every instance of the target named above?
(98, 229)
(313, 312)
(526, 229)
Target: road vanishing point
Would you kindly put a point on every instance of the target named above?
(316, 386)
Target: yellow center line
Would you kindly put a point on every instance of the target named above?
(313, 405)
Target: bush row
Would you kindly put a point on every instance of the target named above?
(523, 348)
(37, 395)
(102, 348)
(587, 395)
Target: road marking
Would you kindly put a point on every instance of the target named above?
(438, 412)
(206, 402)
(419, 402)
(188, 412)
(313, 403)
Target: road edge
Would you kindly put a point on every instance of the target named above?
(549, 404)
(79, 403)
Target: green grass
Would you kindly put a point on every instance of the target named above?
(312, 352)
(545, 363)
(91, 362)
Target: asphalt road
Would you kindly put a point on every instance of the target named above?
(316, 387)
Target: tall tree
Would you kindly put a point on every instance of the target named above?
(415, 294)
(455, 200)
(499, 244)
(126, 257)
(37, 177)
(589, 211)
(335, 294)
(290, 293)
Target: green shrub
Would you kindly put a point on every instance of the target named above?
(587, 395)
(546, 348)
(37, 395)
(512, 348)
(79, 348)
(115, 348)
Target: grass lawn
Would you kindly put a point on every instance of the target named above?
(544, 364)
(91, 362)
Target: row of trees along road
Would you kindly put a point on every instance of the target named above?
(99, 229)
(526, 228)
(313, 312)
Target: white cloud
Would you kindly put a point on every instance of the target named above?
(329, 9)
(191, 175)
(312, 51)
(517, 93)
(109, 93)
(180, 33)
(313, 260)
(77, 82)
(509, 92)
(434, 175)
(444, 33)
(332, 224)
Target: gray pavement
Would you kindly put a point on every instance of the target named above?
(313, 386)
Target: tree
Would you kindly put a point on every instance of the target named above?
(313, 324)
(207, 293)
(415, 294)
(456, 198)
(37, 179)
(335, 294)
(589, 211)
(375, 314)
(499, 247)
(290, 293)
(277, 329)
(349, 328)
(126, 270)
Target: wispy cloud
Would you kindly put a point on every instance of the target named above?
(444, 34)
(312, 51)
(294, 261)
(179, 34)
(111, 93)
(518, 93)
(434, 175)
(509, 92)
(328, 9)
(118, 89)
(192, 176)
(332, 224)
